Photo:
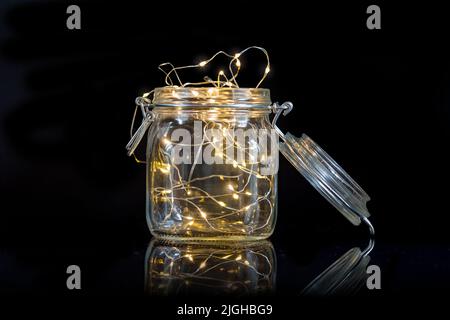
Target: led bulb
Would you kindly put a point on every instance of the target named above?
(203, 63)
(223, 204)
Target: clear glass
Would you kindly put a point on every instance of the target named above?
(232, 199)
(229, 268)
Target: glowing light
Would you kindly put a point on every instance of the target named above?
(164, 170)
(175, 94)
(166, 141)
(203, 199)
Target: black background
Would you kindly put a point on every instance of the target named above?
(377, 100)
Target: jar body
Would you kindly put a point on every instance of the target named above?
(211, 174)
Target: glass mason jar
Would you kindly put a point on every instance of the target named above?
(212, 160)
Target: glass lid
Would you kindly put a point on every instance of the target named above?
(326, 176)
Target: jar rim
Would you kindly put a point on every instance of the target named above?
(212, 97)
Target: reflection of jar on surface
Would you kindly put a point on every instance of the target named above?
(218, 268)
(212, 160)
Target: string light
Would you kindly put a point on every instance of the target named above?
(185, 198)
(235, 63)
(196, 196)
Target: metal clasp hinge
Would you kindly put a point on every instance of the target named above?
(284, 109)
(148, 117)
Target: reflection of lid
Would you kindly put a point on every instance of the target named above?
(326, 176)
(212, 97)
(345, 276)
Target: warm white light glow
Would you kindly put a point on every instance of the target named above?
(175, 94)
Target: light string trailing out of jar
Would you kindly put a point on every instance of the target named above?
(227, 82)
(193, 195)
(145, 102)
